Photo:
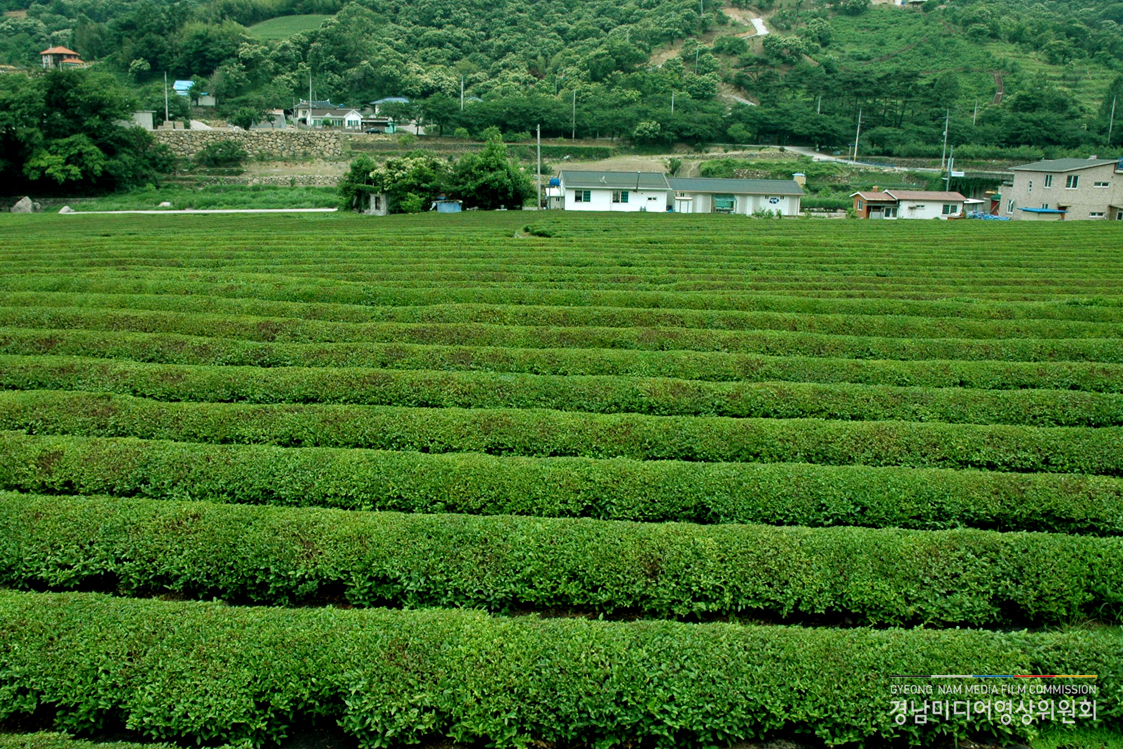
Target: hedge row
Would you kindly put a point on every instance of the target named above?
(617, 489)
(774, 343)
(536, 314)
(711, 366)
(629, 304)
(541, 433)
(505, 563)
(208, 672)
(54, 740)
(596, 394)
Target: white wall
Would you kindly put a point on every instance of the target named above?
(747, 204)
(601, 200)
(925, 209)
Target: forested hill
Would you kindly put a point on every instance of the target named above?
(619, 64)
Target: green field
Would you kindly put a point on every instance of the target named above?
(644, 480)
(283, 27)
(212, 197)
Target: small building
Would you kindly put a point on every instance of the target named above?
(56, 58)
(908, 204)
(743, 196)
(612, 191)
(381, 103)
(1066, 190)
(335, 117)
(186, 90)
(144, 119)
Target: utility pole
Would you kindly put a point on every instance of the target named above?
(951, 161)
(819, 106)
(976, 115)
(857, 134)
(573, 120)
(1111, 123)
(461, 93)
(701, 8)
(538, 130)
(672, 102)
(166, 118)
(309, 96)
(943, 154)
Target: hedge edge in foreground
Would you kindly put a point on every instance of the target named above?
(212, 672)
(502, 563)
(616, 489)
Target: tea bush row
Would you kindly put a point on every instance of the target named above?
(204, 672)
(616, 489)
(544, 433)
(281, 556)
(710, 366)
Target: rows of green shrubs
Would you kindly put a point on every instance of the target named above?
(615, 489)
(57, 740)
(712, 366)
(211, 673)
(272, 283)
(538, 307)
(544, 433)
(598, 394)
(772, 343)
(507, 563)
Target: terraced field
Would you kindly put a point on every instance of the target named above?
(592, 480)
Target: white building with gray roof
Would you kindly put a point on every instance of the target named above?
(655, 192)
(1066, 190)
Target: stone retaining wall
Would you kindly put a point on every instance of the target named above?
(275, 144)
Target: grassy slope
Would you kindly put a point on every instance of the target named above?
(285, 26)
(214, 196)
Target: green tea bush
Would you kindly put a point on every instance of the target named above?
(208, 672)
(617, 489)
(503, 563)
(544, 433)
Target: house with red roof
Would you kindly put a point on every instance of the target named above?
(60, 57)
(895, 204)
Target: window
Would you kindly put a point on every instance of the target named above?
(1030, 186)
(1045, 206)
(582, 196)
(1072, 181)
(1096, 214)
(859, 205)
(378, 202)
(1048, 180)
(1101, 184)
(1009, 206)
(619, 196)
(890, 213)
(950, 209)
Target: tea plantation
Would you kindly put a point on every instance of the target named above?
(556, 480)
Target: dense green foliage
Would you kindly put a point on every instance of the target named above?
(915, 426)
(615, 489)
(400, 676)
(60, 133)
(262, 555)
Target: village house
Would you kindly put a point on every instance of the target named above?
(744, 196)
(1066, 190)
(60, 57)
(654, 191)
(610, 191)
(908, 204)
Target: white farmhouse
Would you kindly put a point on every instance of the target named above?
(744, 196)
(610, 191)
(906, 204)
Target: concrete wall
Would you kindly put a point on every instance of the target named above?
(746, 205)
(1029, 191)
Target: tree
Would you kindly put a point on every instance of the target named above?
(410, 182)
(59, 132)
(647, 132)
(489, 179)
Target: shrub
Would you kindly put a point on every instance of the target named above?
(223, 153)
(179, 670)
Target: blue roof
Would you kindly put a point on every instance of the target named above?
(1042, 210)
(183, 85)
(393, 100)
